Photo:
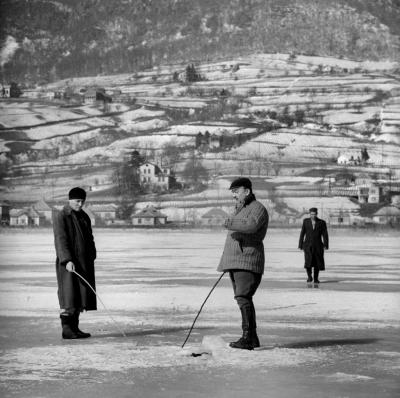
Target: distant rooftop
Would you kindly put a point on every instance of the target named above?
(149, 212)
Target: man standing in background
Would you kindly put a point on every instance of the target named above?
(313, 240)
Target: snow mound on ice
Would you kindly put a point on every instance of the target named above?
(345, 377)
(52, 362)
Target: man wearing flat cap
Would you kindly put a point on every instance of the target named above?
(313, 240)
(76, 252)
(243, 257)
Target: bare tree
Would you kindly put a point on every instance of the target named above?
(172, 153)
(249, 165)
(194, 172)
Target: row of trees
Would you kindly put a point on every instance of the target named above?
(113, 36)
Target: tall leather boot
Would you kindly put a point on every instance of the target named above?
(81, 335)
(245, 342)
(253, 329)
(68, 329)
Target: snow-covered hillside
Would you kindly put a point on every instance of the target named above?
(288, 112)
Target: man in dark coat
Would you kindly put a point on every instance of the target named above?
(243, 256)
(76, 251)
(313, 240)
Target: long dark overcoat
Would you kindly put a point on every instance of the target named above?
(74, 242)
(313, 241)
(244, 248)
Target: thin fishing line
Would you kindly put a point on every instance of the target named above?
(94, 291)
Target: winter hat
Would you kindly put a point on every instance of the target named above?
(313, 210)
(241, 182)
(77, 193)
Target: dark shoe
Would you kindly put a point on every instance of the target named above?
(81, 335)
(68, 330)
(309, 280)
(316, 281)
(243, 344)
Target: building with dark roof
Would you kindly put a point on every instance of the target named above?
(149, 216)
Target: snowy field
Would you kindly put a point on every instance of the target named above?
(340, 340)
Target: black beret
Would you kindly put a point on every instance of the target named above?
(241, 182)
(77, 193)
(313, 210)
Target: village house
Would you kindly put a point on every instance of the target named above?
(103, 213)
(340, 218)
(375, 194)
(215, 141)
(89, 97)
(369, 192)
(387, 215)
(25, 217)
(44, 210)
(362, 193)
(149, 216)
(5, 91)
(154, 176)
(214, 217)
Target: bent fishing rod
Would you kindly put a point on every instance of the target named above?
(195, 319)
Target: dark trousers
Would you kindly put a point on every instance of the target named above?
(245, 284)
(316, 272)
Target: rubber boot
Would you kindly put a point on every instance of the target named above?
(245, 342)
(81, 335)
(68, 330)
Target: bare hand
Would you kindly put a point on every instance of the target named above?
(70, 266)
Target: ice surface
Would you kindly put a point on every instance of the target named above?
(153, 282)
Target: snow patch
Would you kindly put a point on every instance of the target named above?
(345, 377)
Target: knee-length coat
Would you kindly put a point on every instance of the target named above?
(74, 242)
(313, 241)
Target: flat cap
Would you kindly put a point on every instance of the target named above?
(241, 182)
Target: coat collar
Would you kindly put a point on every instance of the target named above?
(68, 210)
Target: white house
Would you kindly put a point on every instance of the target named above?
(369, 193)
(24, 217)
(105, 212)
(5, 91)
(387, 215)
(149, 216)
(43, 209)
(375, 194)
(152, 175)
(89, 97)
(339, 217)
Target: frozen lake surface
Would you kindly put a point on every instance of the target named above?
(341, 340)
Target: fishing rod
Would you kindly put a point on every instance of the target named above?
(195, 319)
(94, 291)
